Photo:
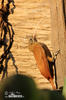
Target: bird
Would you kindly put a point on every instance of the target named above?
(43, 58)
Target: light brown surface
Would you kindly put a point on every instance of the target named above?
(59, 42)
(30, 16)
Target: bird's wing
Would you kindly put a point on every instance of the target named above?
(41, 60)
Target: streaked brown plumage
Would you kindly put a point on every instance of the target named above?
(43, 58)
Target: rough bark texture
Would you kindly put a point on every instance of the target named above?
(59, 38)
(30, 16)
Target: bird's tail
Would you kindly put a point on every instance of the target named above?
(52, 83)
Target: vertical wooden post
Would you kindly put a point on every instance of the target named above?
(58, 38)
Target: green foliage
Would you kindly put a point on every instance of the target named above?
(21, 83)
(26, 86)
(51, 95)
(64, 88)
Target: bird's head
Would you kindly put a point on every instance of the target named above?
(32, 42)
(32, 39)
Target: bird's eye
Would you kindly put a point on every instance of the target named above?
(31, 40)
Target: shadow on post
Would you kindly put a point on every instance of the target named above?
(6, 35)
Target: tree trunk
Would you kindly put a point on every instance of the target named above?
(58, 37)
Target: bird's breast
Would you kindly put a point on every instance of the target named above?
(41, 60)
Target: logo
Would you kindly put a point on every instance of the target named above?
(13, 94)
